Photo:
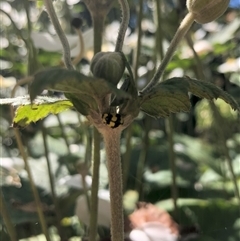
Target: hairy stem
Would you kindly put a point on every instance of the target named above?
(60, 33)
(124, 24)
(112, 146)
(127, 156)
(182, 30)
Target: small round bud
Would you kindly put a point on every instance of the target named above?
(205, 11)
(77, 22)
(109, 66)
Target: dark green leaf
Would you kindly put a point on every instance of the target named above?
(209, 91)
(172, 96)
(169, 96)
(26, 114)
(85, 89)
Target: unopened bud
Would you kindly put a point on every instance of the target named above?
(109, 66)
(205, 11)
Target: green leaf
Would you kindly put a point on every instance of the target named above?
(171, 96)
(26, 114)
(78, 87)
(209, 91)
(168, 96)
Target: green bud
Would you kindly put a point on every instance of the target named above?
(108, 65)
(205, 11)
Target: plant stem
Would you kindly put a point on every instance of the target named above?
(159, 38)
(127, 155)
(53, 191)
(124, 24)
(172, 159)
(98, 21)
(60, 33)
(16, 29)
(6, 218)
(112, 146)
(64, 136)
(95, 184)
(80, 55)
(33, 187)
(28, 170)
(139, 28)
(182, 30)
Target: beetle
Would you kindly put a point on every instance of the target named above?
(112, 120)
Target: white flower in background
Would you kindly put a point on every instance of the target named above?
(152, 231)
(104, 212)
(50, 43)
(231, 65)
(75, 181)
(151, 223)
(9, 168)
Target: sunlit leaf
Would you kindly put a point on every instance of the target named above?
(25, 114)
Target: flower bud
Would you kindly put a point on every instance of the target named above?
(205, 11)
(109, 66)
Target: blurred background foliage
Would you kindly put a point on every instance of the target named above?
(206, 195)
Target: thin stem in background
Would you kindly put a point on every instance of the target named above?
(80, 55)
(83, 169)
(6, 218)
(60, 33)
(32, 60)
(33, 187)
(16, 29)
(123, 25)
(64, 136)
(52, 185)
(28, 170)
(142, 157)
(168, 121)
(172, 160)
(159, 33)
(95, 183)
(219, 121)
(112, 146)
(138, 49)
(98, 22)
(182, 30)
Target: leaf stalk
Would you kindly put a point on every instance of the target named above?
(181, 32)
(124, 24)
